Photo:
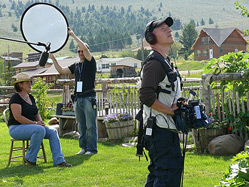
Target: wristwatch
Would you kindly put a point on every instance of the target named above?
(36, 122)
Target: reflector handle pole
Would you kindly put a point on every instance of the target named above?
(38, 44)
(21, 41)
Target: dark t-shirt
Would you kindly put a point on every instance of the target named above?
(28, 111)
(88, 72)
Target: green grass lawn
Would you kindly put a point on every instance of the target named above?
(114, 165)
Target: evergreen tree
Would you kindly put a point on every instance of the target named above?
(142, 9)
(210, 21)
(122, 11)
(83, 9)
(177, 35)
(188, 37)
(13, 6)
(129, 8)
(72, 46)
(1, 15)
(192, 22)
(202, 22)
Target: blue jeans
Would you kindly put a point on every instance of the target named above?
(166, 159)
(36, 134)
(86, 119)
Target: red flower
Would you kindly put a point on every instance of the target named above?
(229, 128)
(210, 113)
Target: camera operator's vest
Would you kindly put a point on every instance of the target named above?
(168, 92)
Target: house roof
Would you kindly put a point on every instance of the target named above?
(118, 61)
(36, 63)
(27, 64)
(219, 35)
(63, 62)
(34, 72)
(10, 58)
(120, 66)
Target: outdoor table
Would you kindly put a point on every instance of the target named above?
(66, 124)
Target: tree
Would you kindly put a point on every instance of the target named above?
(188, 37)
(177, 35)
(122, 11)
(202, 22)
(175, 47)
(9, 73)
(139, 54)
(14, 28)
(192, 22)
(210, 21)
(72, 46)
(244, 11)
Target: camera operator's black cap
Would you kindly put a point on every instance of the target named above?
(154, 24)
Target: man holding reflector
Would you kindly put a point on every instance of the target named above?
(85, 95)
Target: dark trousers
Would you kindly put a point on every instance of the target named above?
(166, 159)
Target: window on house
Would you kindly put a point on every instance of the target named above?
(113, 64)
(105, 66)
(205, 52)
(221, 49)
(198, 53)
(236, 50)
(135, 65)
(205, 40)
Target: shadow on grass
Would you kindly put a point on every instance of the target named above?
(76, 160)
(21, 171)
(111, 143)
(225, 158)
(18, 172)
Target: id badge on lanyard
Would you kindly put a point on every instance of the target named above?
(79, 86)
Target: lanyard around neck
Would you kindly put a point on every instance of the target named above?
(80, 70)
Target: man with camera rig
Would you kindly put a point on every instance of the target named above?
(159, 92)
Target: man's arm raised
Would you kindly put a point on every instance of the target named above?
(81, 44)
(61, 70)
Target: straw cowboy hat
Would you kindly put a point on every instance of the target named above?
(22, 77)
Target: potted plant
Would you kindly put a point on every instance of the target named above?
(119, 125)
(68, 110)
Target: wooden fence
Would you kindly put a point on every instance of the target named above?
(121, 95)
(224, 104)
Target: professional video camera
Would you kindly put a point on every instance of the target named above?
(190, 114)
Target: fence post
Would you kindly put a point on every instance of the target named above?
(206, 95)
(105, 90)
(65, 94)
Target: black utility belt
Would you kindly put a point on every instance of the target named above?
(81, 94)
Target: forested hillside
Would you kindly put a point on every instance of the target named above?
(111, 25)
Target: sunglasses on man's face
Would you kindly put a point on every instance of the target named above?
(80, 51)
